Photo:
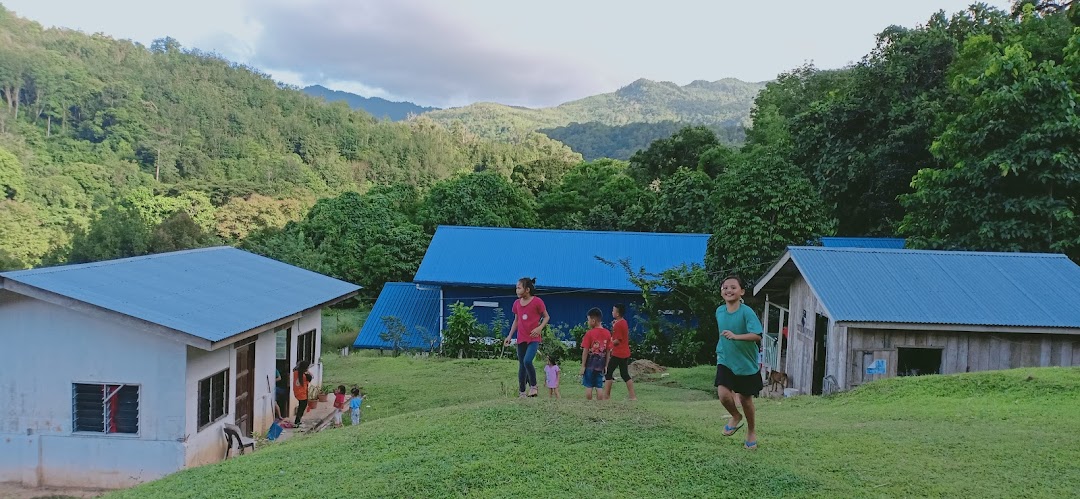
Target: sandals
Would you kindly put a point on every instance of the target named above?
(532, 392)
(729, 431)
(750, 445)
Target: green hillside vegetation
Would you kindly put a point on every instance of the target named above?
(643, 101)
(449, 428)
(961, 133)
(597, 140)
(90, 124)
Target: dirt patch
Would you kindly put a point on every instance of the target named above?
(640, 367)
(11, 490)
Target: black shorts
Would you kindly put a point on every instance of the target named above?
(749, 385)
(622, 364)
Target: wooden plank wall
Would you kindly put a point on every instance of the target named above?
(966, 351)
(799, 364)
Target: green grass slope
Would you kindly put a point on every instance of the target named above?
(441, 428)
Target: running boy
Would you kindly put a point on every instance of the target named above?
(736, 358)
(595, 351)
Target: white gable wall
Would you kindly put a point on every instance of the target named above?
(47, 349)
(208, 444)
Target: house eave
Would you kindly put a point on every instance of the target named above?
(973, 328)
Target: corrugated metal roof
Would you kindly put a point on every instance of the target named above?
(943, 287)
(416, 307)
(863, 242)
(559, 259)
(210, 293)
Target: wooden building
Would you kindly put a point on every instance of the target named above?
(859, 314)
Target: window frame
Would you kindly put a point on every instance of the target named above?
(309, 352)
(104, 409)
(224, 373)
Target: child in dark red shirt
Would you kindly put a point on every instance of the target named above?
(595, 352)
(620, 352)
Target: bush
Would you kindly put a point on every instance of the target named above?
(460, 326)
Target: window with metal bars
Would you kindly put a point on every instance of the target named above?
(213, 398)
(105, 408)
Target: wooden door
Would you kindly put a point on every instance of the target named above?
(245, 387)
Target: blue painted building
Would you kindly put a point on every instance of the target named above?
(415, 305)
(480, 266)
(859, 314)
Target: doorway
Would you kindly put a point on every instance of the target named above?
(283, 364)
(821, 337)
(245, 387)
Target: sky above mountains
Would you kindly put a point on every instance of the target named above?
(446, 54)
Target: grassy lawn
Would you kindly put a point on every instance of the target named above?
(341, 325)
(444, 428)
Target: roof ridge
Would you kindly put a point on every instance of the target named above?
(105, 263)
(999, 254)
(573, 231)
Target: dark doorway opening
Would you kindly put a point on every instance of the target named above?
(283, 364)
(821, 338)
(918, 361)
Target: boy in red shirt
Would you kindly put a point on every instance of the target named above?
(595, 351)
(620, 352)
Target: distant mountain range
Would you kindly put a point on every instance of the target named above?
(726, 101)
(376, 106)
(617, 124)
(613, 125)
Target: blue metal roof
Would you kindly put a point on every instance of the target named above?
(558, 259)
(943, 287)
(209, 293)
(417, 307)
(863, 242)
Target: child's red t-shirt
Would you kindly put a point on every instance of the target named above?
(339, 401)
(596, 341)
(620, 331)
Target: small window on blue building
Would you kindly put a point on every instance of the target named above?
(105, 408)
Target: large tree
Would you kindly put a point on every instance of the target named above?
(1013, 155)
(664, 156)
(763, 204)
(482, 199)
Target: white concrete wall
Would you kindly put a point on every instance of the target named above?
(309, 321)
(46, 349)
(208, 444)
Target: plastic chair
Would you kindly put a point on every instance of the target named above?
(232, 432)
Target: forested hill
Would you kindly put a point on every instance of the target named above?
(88, 122)
(378, 107)
(726, 101)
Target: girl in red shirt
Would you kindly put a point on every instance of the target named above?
(530, 317)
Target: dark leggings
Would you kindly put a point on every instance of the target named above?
(622, 365)
(526, 352)
(300, 411)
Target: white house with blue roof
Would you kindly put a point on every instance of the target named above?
(858, 314)
(479, 267)
(126, 370)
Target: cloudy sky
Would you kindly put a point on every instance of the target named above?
(445, 53)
